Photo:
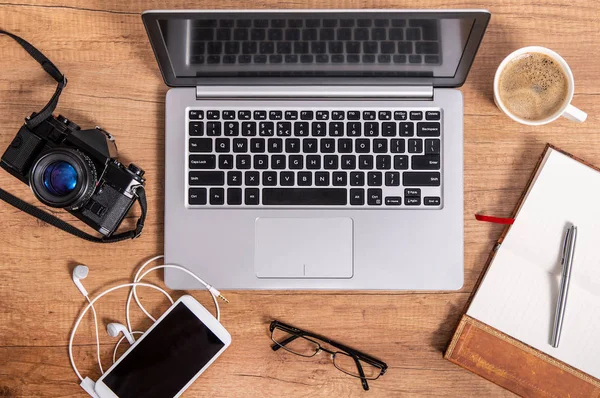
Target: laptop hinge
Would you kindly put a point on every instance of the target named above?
(370, 92)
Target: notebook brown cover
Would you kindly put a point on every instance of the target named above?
(508, 362)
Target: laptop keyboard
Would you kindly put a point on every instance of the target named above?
(305, 157)
(280, 41)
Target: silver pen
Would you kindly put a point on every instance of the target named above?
(567, 266)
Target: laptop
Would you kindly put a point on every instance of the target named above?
(315, 149)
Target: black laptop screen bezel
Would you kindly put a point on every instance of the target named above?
(151, 18)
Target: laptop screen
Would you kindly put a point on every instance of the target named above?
(314, 44)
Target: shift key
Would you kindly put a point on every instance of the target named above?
(417, 179)
(207, 178)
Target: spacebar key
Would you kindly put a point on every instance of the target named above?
(305, 196)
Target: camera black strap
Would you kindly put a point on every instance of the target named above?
(58, 223)
(51, 69)
(33, 122)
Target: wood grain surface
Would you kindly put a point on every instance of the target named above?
(114, 82)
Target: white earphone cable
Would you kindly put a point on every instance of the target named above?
(133, 293)
(97, 335)
(85, 310)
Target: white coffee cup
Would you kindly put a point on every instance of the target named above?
(567, 110)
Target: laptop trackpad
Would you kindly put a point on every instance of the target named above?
(303, 248)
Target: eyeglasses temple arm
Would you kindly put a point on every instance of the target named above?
(278, 345)
(361, 373)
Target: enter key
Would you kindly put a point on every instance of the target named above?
(426, 162)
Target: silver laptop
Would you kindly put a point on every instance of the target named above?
(315, 149)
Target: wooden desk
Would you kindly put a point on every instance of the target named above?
(114, 82)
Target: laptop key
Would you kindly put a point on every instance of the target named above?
(374, 197)
(213, 129)
(319, 129)
(407, 129)
(222, 145)
(257, 145)
(304, 178)
(421, 179)
(269, 178)
(412, 201)
(357, 197)
(200, 145)
(244, 115)
(369, 115)
(392, 179)
(380, 145)
(354, 129)
(232, 129)
(353, 115)
(401, 162)
(429, 115)
(348, 162)
(225, 162)
(261, 162)
(322, 115)
(266, 129)
(278, 162)
(304, 196)
(416, 115)
(275, 145)
(306, 115)
(400, 115)
(313, 162)
(425, 162)
(383, 162)
(252, 178)
(415, 145)
(301, 129)
(393, 200)
(284, 129)
(374, 179)
(357, 178)
(432, 201)
(388, 129)
(363, 145)
(322, 179)
(397, 145)
(196, 115)
(196, 128)
(371, 129)
(309, 145)
(275, 115)
(197, 196)
(336, 129)
(432, 147)
(234, 178)
(339, 178)
(248, 129)
(291, 115)
(242, 162)
(217, 196)
(428, 129)
(286, 178)
(213, 115)
(296, 162)
(234, 196)
(206, 178)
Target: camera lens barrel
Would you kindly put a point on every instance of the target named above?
(63, 178)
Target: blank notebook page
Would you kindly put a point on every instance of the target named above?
(519, 291)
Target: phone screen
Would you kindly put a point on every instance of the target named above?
(167, 358)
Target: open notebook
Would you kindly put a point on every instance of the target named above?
(517, 296)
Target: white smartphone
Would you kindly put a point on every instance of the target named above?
(167, 359)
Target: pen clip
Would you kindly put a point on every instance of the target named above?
(565, 245)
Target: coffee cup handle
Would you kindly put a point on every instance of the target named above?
(574, 114)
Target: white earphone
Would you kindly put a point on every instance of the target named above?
(114, 329)
(80, 272)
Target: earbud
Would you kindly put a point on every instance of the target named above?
(80, 272)
(113, 330)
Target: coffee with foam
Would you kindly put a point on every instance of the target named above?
(533, 86)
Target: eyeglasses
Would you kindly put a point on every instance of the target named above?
(346, 359)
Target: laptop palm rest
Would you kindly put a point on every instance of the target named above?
(311, 248)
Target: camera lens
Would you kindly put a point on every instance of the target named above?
(60, 178)
(63, 177)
